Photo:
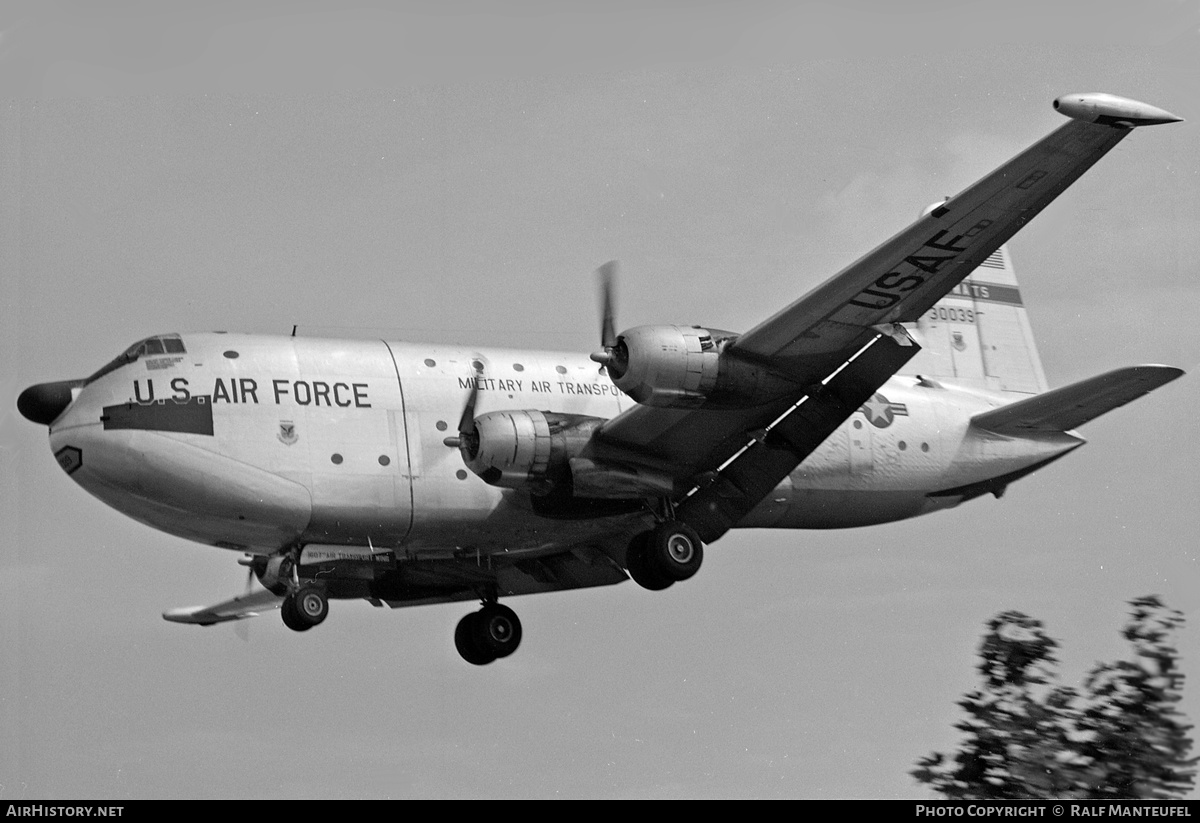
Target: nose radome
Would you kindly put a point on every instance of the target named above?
(44, 402)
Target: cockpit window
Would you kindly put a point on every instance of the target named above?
(162, 344)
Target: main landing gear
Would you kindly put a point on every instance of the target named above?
(304, 608)
(666, 554)
(488, 634)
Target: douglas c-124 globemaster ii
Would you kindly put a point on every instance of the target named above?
(407, 474)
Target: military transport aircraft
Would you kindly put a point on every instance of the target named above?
(407, 474)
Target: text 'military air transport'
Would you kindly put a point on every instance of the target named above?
(407, 474)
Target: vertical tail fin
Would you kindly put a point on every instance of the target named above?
(979, 334)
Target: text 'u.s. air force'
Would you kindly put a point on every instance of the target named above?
(247, 390)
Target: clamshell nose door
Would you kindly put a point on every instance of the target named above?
(45, 402)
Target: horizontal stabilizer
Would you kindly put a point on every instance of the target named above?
(1063, 409)
(239, 608)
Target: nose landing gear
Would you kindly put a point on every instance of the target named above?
(304, 608)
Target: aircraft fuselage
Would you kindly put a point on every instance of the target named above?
(259, 443)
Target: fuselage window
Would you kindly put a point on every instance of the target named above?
(163, 344)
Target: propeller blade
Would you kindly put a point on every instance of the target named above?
(466, 423)
(241, 627)
(467, 440)
(608, 276)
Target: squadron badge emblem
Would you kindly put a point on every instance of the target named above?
(287, 432)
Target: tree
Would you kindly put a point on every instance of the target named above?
(1025, 737)
(1013, 729)
(1134, 737)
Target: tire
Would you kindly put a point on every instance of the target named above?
(497, 630)
(291, 618)
(311, 605)
(674, 551)
(464, 641)
(637, 563)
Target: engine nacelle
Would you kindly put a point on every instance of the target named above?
(539, 452)
(528, 450)
(674, 366)
(685, 367)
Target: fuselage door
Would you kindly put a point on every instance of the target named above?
(349, 405)
(861, 458)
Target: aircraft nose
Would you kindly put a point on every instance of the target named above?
(44, 402)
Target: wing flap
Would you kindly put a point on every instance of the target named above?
(238, 608)
(739, 486)
(1066, 408)
(580, 566)
(681, 442)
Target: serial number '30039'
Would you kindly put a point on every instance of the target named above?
(952, 314)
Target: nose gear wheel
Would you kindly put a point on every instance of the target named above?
(304, 608)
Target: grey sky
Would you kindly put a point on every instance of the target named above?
(457, 176)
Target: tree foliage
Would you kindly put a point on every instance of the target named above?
(1122, 736)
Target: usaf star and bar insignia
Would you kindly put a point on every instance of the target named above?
(880, 412)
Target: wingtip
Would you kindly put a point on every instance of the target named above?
(187, 614)
(1168, 373)
(1111, 110)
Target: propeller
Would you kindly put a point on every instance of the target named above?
(241, 627)
(467, 439)
(614, 355)
(608, 276)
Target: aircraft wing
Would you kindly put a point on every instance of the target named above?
(579, 566)
(841, 341)
(239, 608)
(1071, 406)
